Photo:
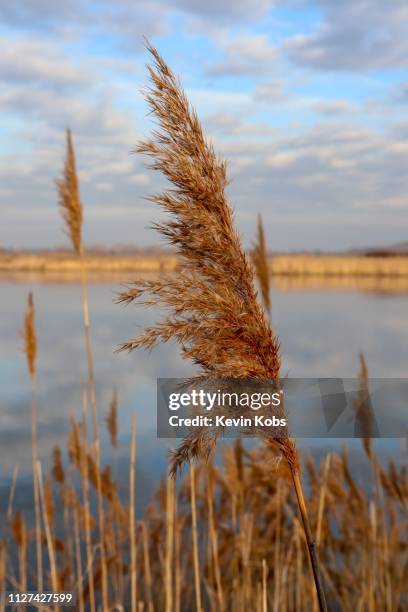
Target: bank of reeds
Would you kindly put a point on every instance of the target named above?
(339, 265)
(323, 267)
(239, 526)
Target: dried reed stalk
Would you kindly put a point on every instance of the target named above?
(194, 530)
(214, 540)
(264, 589)
(213, 309)
(132, 522)
(147, 567)
(168, 569)
(86, 503)
(72, 212)
(30, 349)
(320, 510)
(12, 492)
(322, 497)
(260, 261)
(277, 555)
(78, 560)
(178, 521)
(48, 533)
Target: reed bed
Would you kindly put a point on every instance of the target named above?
(68, 264)
(288, 265)
(344, 265)
(237, 524)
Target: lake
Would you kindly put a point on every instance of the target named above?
(321, 330)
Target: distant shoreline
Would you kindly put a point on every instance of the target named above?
(286, 265)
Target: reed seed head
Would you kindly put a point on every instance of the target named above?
(69, 198)
(112, 420)
(29, 335)
(260, 261)
(58, 471)
(212, 306)
(19, 530)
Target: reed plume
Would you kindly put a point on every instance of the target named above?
(112, 420)
(58, 470)
(365, 420)
(30, 349)
(19, 532)
(213, 311)
(260, 261)
(30, 339)
(69, 198)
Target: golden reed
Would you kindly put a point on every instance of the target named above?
(212, 305)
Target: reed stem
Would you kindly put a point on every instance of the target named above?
(169, 543)
(91, 381)
(195, 537)
(85, 495)
(132, 524)
(48, 533)
(311, 543)
(36, 485)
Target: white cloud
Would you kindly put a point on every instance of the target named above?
(226, 11)
(354, 35)
(245, 55)
(272, 92)
(40, 63)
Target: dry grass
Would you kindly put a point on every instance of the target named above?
(64, 264)
(336, 265)
(220, 523)
(363, 537)
(292, 266)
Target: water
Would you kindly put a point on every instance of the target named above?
(321, 331)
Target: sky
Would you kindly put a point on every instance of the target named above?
(307, 100)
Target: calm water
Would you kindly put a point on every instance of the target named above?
(321, 334)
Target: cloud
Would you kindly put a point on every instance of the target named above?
(332, 108)
(38, 14)
(225, 11)
(304, 158)
(354, 35)
(33, 62)
(401, 95)
(245, 56)
(272, 91)
(123, 22)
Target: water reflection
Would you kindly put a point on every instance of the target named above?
(321, 333)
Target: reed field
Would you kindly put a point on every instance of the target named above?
(264, 527)
(328, 267)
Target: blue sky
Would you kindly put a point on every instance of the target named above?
(306, 99)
